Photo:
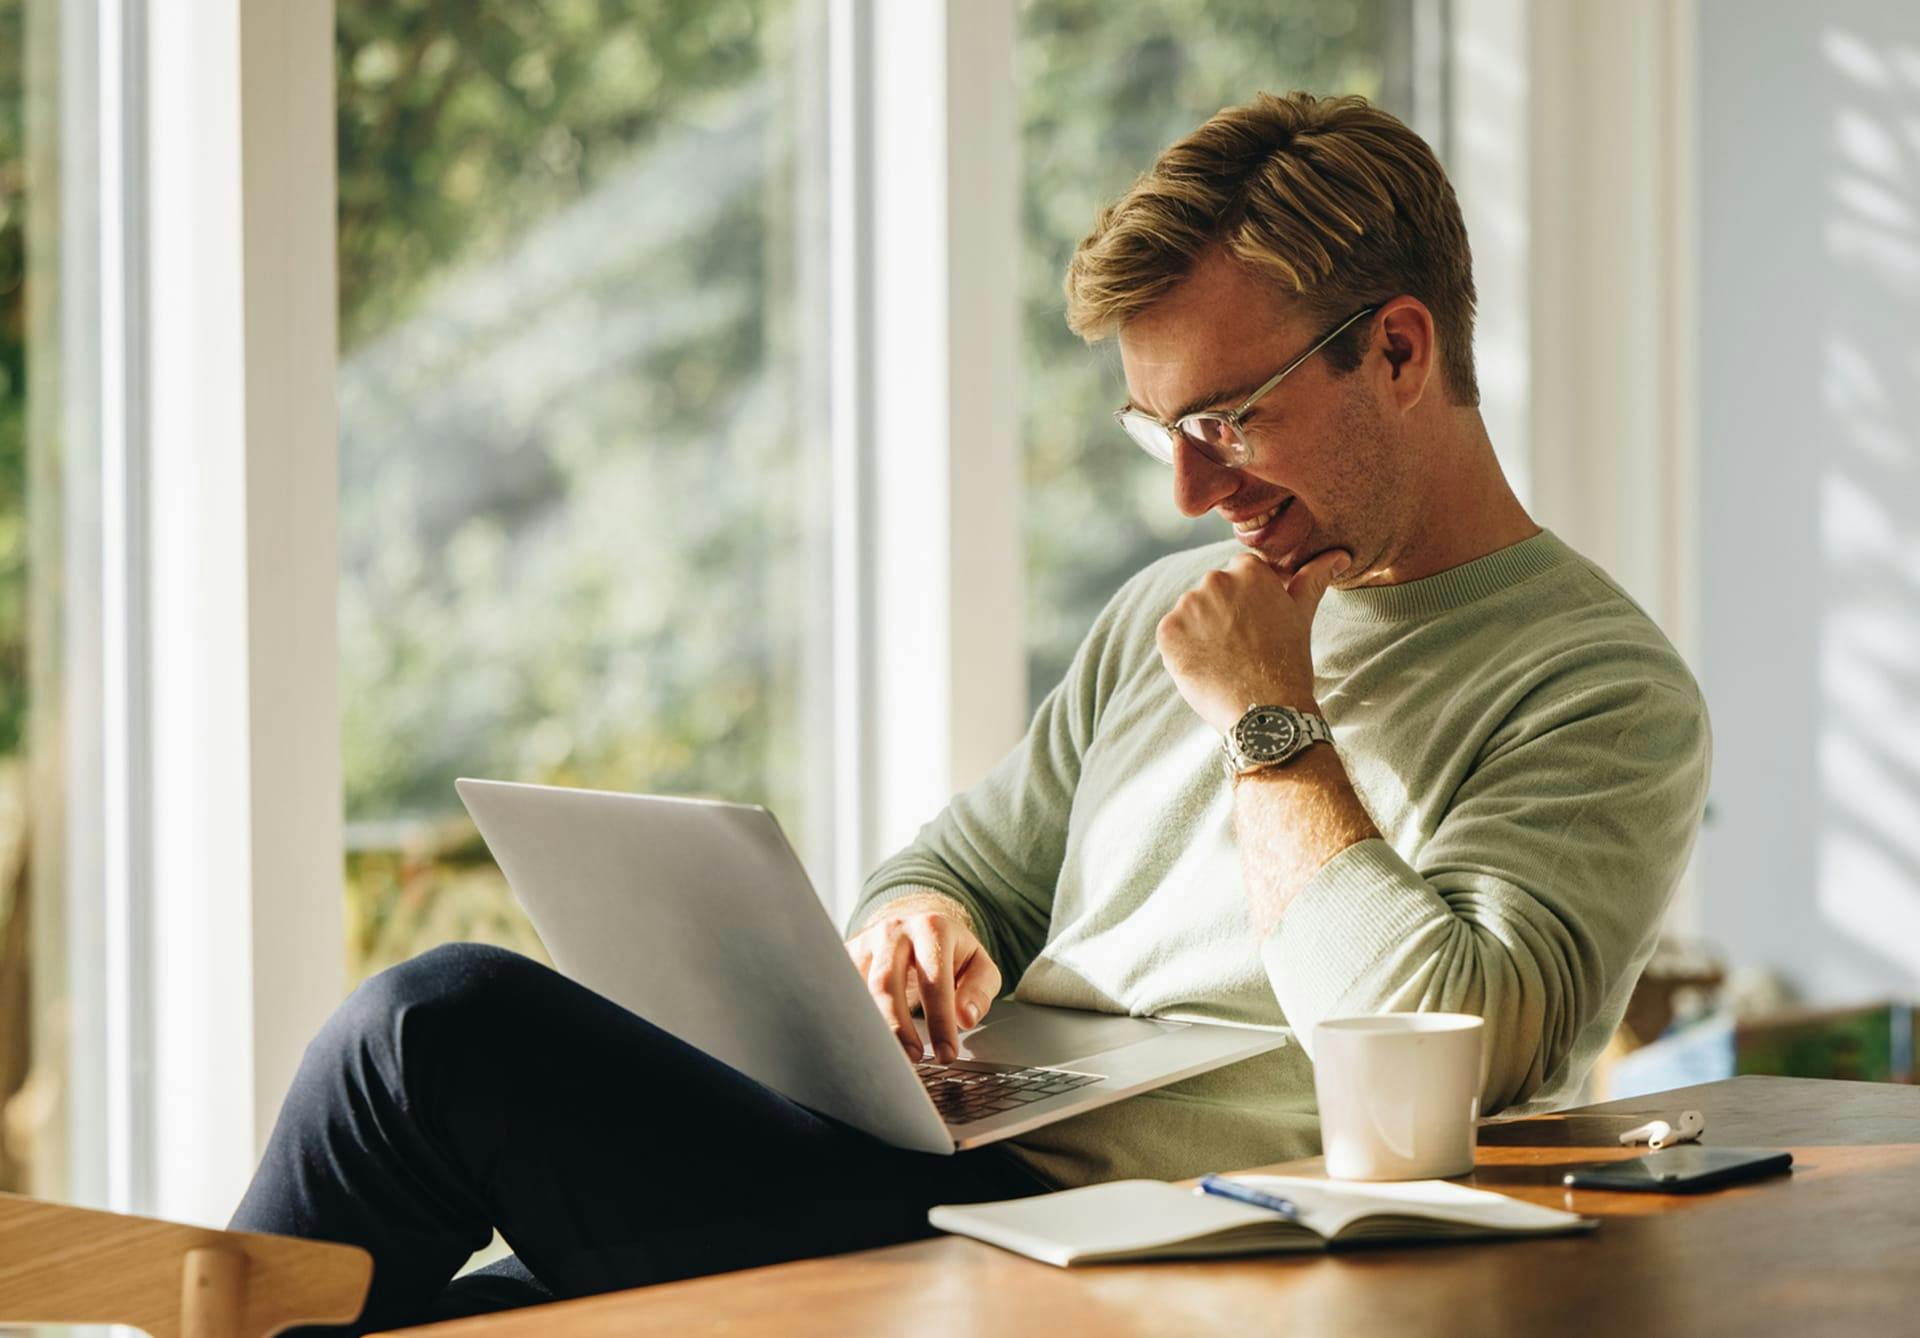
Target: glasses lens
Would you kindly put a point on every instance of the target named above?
(1214, 437)
(1148, 435)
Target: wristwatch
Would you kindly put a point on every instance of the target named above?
(1271, 736)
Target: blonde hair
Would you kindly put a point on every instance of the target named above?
(1336, 201)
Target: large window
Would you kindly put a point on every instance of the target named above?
(1104, 88)
(582, 468)
(585, 511)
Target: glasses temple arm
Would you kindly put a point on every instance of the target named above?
(1282, 374)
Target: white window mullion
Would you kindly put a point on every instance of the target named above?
(948, 695)
(289, 158)
(1487, 161)
(1611, 215)
(106, 1156)
(123, 638)
(850, 74)
(247, 944)
(985, 555)
(84, 1170)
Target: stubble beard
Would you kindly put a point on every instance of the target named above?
(1367, 501)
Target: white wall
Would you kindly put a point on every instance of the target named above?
(1809, 288)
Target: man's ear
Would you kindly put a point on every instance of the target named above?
(1407, 340)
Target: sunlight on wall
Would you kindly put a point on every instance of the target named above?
(1868, 861)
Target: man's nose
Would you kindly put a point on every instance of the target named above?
(1198, 483)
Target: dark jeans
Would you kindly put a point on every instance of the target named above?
(472, 1088)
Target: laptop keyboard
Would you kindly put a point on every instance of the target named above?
(972, 1089)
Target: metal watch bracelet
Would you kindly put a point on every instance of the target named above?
(1242, 752)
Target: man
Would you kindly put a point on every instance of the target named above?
(1519, 758)
(1516, 767)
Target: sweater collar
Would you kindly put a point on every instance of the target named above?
(1449, 589)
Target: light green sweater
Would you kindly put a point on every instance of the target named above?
(1532, 750)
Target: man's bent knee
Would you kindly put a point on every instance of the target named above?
(460, 984)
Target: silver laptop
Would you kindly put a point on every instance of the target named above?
(698, 916)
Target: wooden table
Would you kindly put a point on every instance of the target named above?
(1832, 1249)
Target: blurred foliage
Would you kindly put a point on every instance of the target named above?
(23, 1117)
(1104, 88)
(436, 884)
(576, 539)
(581, 504)
(461, 124)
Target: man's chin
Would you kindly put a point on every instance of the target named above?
(1292, 541)
(1287, 561)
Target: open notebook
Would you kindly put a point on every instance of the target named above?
(1150, 1219)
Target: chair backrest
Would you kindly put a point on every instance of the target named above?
(63, 1265)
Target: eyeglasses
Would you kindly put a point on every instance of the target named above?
(1217, 436)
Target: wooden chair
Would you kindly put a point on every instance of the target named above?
(62, 1265)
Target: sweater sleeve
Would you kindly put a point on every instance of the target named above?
(997, 847)
(1537, 897)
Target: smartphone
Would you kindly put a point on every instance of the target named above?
(1681, 1170)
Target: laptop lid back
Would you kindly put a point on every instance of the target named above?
(698, 916)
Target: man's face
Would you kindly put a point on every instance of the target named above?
(1327, 450)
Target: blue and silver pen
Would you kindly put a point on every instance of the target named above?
(1233, 1189)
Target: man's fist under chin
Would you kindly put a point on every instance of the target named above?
(1242, 637)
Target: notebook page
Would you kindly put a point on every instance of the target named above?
(1328, 1206)
(1123, 1217)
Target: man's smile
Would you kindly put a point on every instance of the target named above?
(1275, 531)
(1253, 524)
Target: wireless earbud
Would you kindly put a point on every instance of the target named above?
(1657, 1134)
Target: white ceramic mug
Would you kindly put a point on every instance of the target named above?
(1399, 1094)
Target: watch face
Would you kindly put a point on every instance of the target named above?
(1266, 736)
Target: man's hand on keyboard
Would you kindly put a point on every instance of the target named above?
(923, 950)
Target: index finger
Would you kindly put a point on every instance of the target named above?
(1311, 581)
(886, 982)
(933, 959)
